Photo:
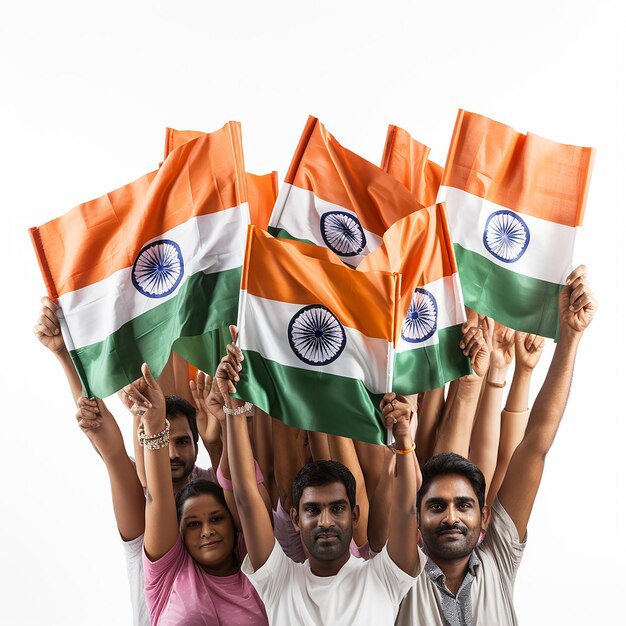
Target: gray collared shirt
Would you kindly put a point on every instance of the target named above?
(455, 610)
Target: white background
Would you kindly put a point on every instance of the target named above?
(87, 90)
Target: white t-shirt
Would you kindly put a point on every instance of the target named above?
(363, 592)
(133, 553)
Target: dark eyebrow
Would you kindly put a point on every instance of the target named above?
(216, 512)
(435, 501)
(463, 499)
(334, 502)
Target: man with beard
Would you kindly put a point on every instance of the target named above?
(331, 586)
(465, 583)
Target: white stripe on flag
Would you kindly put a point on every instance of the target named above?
(209, 243)
(299, 212)
(450, 309)
(363, 358)
(550, 243)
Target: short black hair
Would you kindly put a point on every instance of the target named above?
(175, 405)
(451, 463)
(319, 473)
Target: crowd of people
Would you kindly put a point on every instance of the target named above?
(298, 527)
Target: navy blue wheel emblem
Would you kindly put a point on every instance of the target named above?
(315, 335)
(342, 233)
(420, 322)
(158, 268)
(506, 236)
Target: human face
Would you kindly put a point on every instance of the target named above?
(208, 534)
(326, 521)
(450, 518)
(183, 451)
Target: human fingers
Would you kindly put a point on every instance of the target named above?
(581, 270)
(135, 397)
(234, 332)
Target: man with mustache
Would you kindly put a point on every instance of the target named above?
(331, 586)
(464, 582)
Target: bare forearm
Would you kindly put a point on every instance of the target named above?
(456, 425)
(429, 415)
(76, 387)
(403, 519)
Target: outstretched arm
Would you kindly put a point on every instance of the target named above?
(161, 521)
(486, 431)
(102, 430)
(48, 331)
(456, 424)
(577, 307)
(403, 516)
(255, 519)
(514, 416)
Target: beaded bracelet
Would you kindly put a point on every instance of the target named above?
(239, 410)
(154, 442)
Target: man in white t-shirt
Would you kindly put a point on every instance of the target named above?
(331, 586)
(464, 583)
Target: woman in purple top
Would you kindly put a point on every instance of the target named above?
(192, 552)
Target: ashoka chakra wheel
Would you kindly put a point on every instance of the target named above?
(315, 335)
(506, 236)
(158, 268)
(420, 322)
(342, 233)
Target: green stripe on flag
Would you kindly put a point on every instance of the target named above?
(517, 301)
(281, 233)
(312, 400)
(205, 302)
(432, 366)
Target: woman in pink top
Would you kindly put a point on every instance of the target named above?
(191, 549)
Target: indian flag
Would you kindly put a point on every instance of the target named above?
(407, 161)
(334, 198)
(514, 204)
(428, 333)
(151, 266)
(317, 337)
(262, 189)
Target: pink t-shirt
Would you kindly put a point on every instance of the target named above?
(179, 591)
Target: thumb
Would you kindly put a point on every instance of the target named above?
(148, 377)
(234, 332)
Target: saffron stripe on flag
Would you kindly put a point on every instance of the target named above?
(214, 233)
(525, 173)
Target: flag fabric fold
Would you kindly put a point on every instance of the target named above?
(262, 189)
(406, 160)
(427, 335)
(514, 203)
(334, 198)
(153, 265)
(317, 337)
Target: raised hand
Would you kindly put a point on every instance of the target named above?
(47, 329)
(397, 412)
(528, 349)
(146, 396)
(577, 304)
(502, 346)
(475, 347)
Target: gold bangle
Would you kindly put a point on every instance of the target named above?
(407, 451)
